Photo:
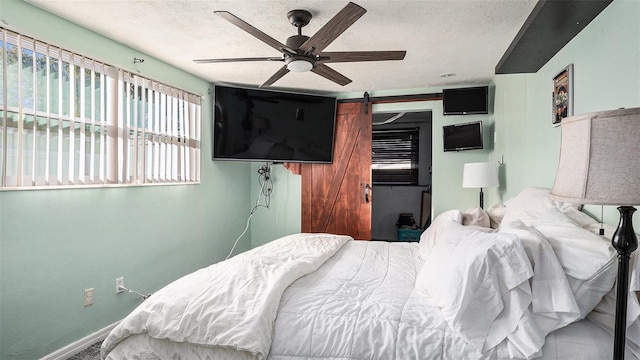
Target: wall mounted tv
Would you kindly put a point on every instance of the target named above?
(267, 125)
(466, 136)
(466, 101)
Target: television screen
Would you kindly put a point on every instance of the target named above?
(467, 136)
(268, 125)
(465, 101)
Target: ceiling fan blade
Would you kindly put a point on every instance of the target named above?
(355, 56)
(275, 77)
(332, 29)
(253, 31)
(208, 61)
(329, 73)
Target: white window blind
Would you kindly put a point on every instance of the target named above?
(67, 120)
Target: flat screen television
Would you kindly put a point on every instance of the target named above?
(275, 126)
(466, 101)
(466, 136)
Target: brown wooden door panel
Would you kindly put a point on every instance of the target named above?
(333, 198)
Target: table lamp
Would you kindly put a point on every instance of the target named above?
(480, 175)
(600, 165)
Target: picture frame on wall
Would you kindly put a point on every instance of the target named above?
(563, 95)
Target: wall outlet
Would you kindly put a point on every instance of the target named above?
(88, 297)
(119, 285)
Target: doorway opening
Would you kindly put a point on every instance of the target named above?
(401, 170)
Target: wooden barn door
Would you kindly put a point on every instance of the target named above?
(334, 196)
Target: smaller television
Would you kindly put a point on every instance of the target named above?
(466, 101)
(465, 136)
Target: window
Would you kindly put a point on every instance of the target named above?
(394, 159)
(67, 120)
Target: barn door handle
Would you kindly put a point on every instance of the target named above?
(367, 190)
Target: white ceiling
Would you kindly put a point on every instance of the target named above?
(466, 38)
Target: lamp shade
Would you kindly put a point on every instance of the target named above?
(480, 175)
(600, 159)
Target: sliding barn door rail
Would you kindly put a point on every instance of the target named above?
(366, 99)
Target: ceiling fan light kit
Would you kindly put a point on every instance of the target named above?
(299, 65)
(302, 53)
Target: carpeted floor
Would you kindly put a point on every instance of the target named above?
(91, 353)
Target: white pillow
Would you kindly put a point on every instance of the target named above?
(479, 281)
(430, 236)
(476, 216)
(529, 204)
(496, 213)
(553, 298)
(580, 218)
(589, 223)
(588, 260)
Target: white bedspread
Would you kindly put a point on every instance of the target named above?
(231, 304)
(360, 304)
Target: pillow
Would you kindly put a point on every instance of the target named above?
(491, 292)
(475, 216)
(588, 260)
(589, 223)
(552, 294)
(580, 218)
(530, 203)
(429, 237)
(496, 213)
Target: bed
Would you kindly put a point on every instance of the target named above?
(467, 290)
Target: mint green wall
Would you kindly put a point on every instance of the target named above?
(56, 243)
(285, 209)
(606, 61)
(607, 76)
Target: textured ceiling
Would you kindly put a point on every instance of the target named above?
(466, 38)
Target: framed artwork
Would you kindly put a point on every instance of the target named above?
(563, 95)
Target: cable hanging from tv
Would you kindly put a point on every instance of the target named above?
(266, 188)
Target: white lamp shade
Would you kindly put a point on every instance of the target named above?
(480, 175)
(600, 159)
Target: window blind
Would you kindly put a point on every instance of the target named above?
(394, 159)
(68, 120)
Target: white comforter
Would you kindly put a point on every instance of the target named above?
(360, 304)
(232, 304)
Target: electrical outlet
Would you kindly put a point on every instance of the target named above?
(119, 285)
(88, 297)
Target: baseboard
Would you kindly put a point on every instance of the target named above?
(82, 344)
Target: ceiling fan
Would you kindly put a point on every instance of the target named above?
(302, 53)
